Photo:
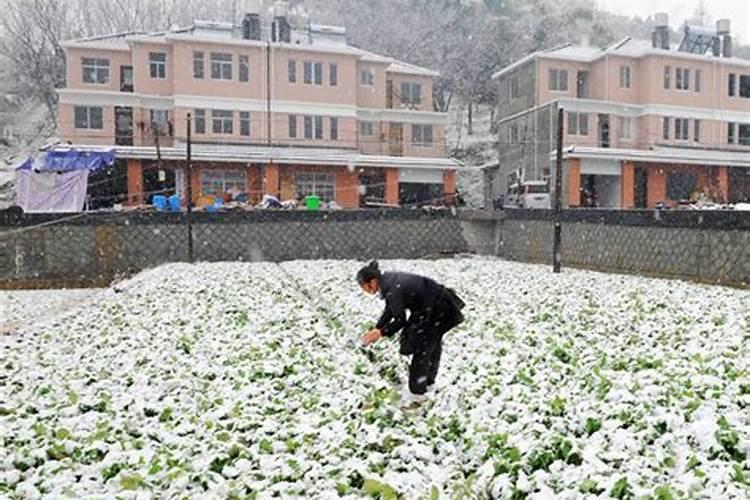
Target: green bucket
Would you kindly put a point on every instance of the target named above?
(312, 202)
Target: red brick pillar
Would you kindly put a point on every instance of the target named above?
(574, 182)
(135, 183)
(449, 186)
(722, 184)
(195, 184)
(347, 188)
(391, 186)
(272, 178)
(656, 185)
(627, 199)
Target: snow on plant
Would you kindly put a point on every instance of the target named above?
(247, 381)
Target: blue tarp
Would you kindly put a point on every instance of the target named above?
(68, 160)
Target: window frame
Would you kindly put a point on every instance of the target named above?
(367, 77)
(743, 86)
(221, 68)
(96, 67)
(245, 127)
(732, 83)
(333, 74)
(199, 65)
(411, 93)
(666, 128)
(199, 123)
(625, 77)
(292, 126)
(87, 120)
(157, 68)
(625, 125)
(556, 82)
(696, 131)
(313, 127)
(223, 180)
(333, 128)
(291, 71)
(731, 133)
(243, 68)
(366, 128)
(667, 77)
(682, 129)
(743, 139)
(420, 136)
(578, 123)
(222, 117)
(320, 184)
(682, 79)
(698, 81)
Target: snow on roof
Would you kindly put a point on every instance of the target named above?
(283, 155)
(662, 155)
(627, 47)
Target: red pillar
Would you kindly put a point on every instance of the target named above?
(628, 185)
(391, 186)
(449, 186)
(272, 179)
(135, 183)
(347, 188)
(722, 184)
(574, 182)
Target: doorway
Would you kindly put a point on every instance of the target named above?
(126, 79)
(396, 139)
(123, 126)
(604, 131)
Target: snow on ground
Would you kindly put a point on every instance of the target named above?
(227, 381)
(24, 308)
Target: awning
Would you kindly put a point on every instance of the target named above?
(70, 159)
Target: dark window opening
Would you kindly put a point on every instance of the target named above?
(680, 186)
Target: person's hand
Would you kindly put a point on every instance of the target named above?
(372, 336)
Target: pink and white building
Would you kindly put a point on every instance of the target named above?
(646, 122)
(274, 110)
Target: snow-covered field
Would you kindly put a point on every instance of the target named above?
(225, 381)
(22, 308)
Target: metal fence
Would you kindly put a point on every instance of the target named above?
(95, 249)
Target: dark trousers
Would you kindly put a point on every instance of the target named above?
(425, 363)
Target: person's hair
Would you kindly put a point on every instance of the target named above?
(370, 272)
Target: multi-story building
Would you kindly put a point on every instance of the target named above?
(645, 122)
(273, 110)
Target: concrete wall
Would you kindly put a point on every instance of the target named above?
(712, 247)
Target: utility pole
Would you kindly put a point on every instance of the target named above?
(191, 256)
(558, 194)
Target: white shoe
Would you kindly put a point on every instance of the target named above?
(409, 400)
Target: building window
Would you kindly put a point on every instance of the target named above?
(291, 71)
(665, 129)
(625, 77)
(199, 65)
(744, 85)
(558, 80)
(91, 117)
(221, 66)
(217, 182)
(731, 133)
(411, 93)
(334, 129)
(313, 73)
(698, 80)
(682, 79)
(222, 121)
(681, 129)
(696, 131)
(667, 77)
(732, 85)
(200, 121)
(680, 185)
(366, 128)
(626, 128)
(333, 74)
(244, 68)
(313, 127)
(95, 70)
(157, 64)
(321, 185)
(292, 126)
(245, 123)
(743, 133)
(421, 135)
(578, 124)
(367, 77)
(513, 88)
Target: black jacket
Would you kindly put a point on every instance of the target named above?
(417, 294)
